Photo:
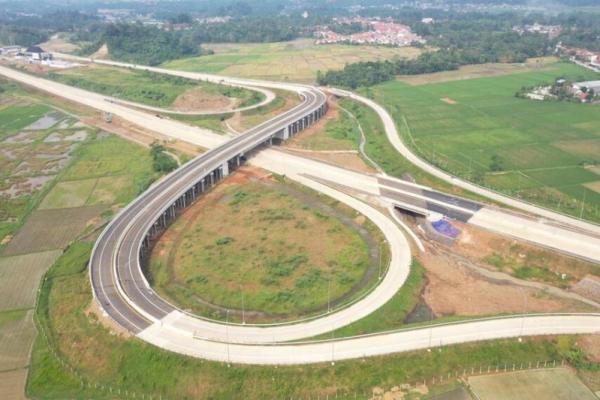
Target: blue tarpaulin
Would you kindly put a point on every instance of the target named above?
(445, 228)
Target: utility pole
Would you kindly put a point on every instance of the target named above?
(582, 204)
(329, 295)
(243, 307)
(524, 312)
(380, 246)
(227, 337)
(470, 168)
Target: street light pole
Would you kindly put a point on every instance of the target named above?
(329, 295)
(582, 204)
(227, 337)
(243, 307)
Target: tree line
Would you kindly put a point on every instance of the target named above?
(475, 49)
(136, 43)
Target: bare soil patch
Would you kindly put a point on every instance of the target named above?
(51, 229)
(591, 345)
(95, 312)
(448, 100)
(460, 283)
(454, 289)
(102, 52)
(585, 148)
(475, 71)
(589, 287)
(503, 254)
(58, 44)
(595, 186)
(595, 169)
(198, 99)
(20, 278)
(349, 161)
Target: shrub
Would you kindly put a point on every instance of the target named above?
(224, 240)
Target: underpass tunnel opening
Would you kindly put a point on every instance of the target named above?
(410, 212)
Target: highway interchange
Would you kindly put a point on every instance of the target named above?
(123, 293)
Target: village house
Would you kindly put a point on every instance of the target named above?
(36, 54)
(381, 32)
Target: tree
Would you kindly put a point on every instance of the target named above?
(497, 163)
(182, 18)
(145, 45)
(161, 161)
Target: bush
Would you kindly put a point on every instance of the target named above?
(309, 279)
(285, 266)
(224, 240)
(161, 161)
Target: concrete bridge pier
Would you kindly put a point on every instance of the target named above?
(225, 168)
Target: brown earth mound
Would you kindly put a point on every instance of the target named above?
(198, 99)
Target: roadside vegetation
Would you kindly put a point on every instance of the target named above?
(339, 133)
(155, 89)
(535, 264)
(215, 123)
(394, 313)
(75, 339)
(162, 162)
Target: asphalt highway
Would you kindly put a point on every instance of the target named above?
(123, 293)
(116, 275)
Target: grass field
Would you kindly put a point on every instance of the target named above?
(547, 384)
(478, 129)
(393, 313)
(265, 247)
(297, 61)
(340, 133)
(154, 89)
(106, 359)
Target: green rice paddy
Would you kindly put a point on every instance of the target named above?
(541, 151)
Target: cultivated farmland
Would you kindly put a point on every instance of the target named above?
(543, 152)
(12, 383)
(547, 384)
(16, 337)
(298, 60)
(20, 276)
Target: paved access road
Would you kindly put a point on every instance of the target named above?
(246, 344)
